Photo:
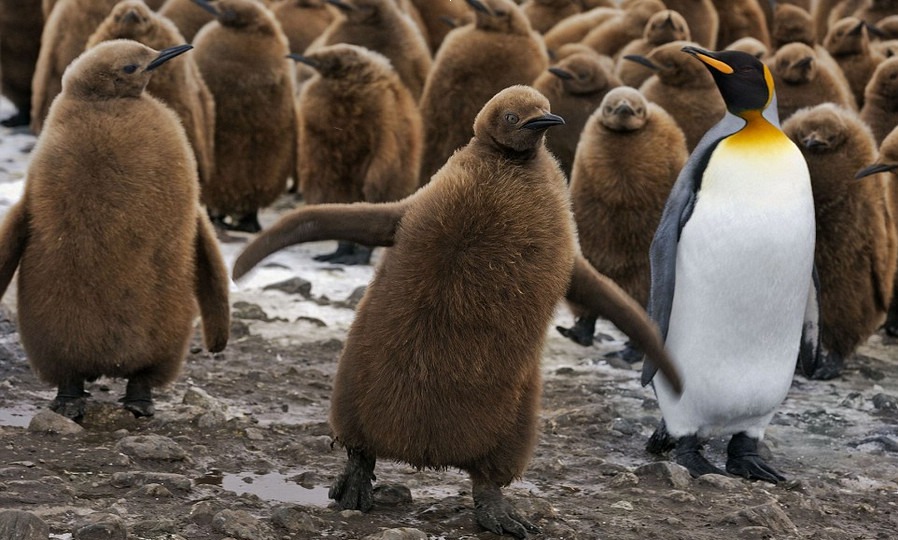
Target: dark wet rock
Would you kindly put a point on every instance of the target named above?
(240, 524)
(252, 312)
(155, 447)
(156, 528)
(854, 400)
(719, 481)
(405, 533)
(768, 515)
(295, 519)
(47, 421)
(392, 494)
(100, 416)
(611, 469)
(19, 525)
(666, 472)
(352, 301)
(885, 402)
(871, 373)
(307, 479)
(239, 329)
(312, 320)
(154, 491)
(103, 527)
(173, 482)
(295, 285)
(626, 426)
(202, 513)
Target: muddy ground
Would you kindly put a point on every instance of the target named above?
(240, 446)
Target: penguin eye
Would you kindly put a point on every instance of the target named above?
(639, 110)
(130, 68)
(511, 118)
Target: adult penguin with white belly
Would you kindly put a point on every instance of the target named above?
(732, 288)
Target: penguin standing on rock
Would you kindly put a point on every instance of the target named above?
(427, 376)
(732, 263)
(113, 251)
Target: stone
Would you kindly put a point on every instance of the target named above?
(103, 527)
(202, 513)
(200, 398)
(19, 525)
(355, 297)
(240, 524)
(154, 491)
(666, 472)
(295, 285)
(755, 533)
(254, 434)
(346, 514)
(623, 505)
(681, 497)
(153, 447)
(172, 481)
(885, 402)
(768, 515)
(624, 479)
(48, 421)
(211, 420)
(392, 494)
(294, 519)
(718, 481)
(405, 533)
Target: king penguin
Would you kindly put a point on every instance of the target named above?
(732, 275)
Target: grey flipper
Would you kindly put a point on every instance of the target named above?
(809, 357)
(677, 211)
(13, 238)
(371, 224)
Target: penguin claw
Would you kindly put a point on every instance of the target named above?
(577, 334)
(828, 367)
(353, 488)
(17, 120)
(495, 514)
(660, 442)
(753, 468)
(347, 253)
(688, 454)
(72, 408)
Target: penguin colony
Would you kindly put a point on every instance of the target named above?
(237, 123)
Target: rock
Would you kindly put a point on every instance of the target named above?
(103, 527)
(354, 297)
(626, 426)
(885, 402)
(202, 513)
(623, 505)
(295, 285)
(48, 421)
(346, 514)
(681, 497)
(667, 472)
(404, 533)
(173, 482)
(154, 491)
(19, 525)
(211, 420)
(200, 398)
(392, 494)
(768, 515)
(294, 519)
(240, 524)
(718, 481)
(155, 447)
(156, 528)
(254, 434)
(252, 312)
(624, 479)
(755, 533)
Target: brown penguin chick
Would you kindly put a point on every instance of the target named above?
(849, 44)
(751, 46)
(441, 367)
(769, 7)
(856, 250)
(684, 88)
(880, 110)
(803, 81)
(180, 86)
(702, 18)
(435, 14)
(614, 34)
(113, 251)
(475, 61)
(574, 28)
(544, 14)
(888, 48)
(575, 87)
(740, 19)
(21, 24)
(302, 21)
(887, 27)
(65, 33)
(872, 11)
(379, 25)
(187, 16)
(663, 27)
(375, 161)
(618, 189)
(242, 56)
(825, 12)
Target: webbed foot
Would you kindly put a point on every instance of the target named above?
(70, 400)
(688, 454)
(628, 354)
(660, 442)
(139, 398)
(21, 118)
(348, 253)
(743, 460)
(828, 367)
(248, 223)
(494, 513)
(582, 332)
(353, 488)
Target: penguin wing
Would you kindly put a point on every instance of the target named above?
(809, 350)
(677, 211)
(601, 296)
(211, 285)
(13, 238)
(371, 224)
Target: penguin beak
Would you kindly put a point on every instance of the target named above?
(874, 31)
(811, 142)
(167, 54)
(343, 6)
(709, 59)
(543, 122)
(874, 169)
(131, 17)
(856, 31)
(624, 108)
(561, 74)
(804, 63)
(207, 6)
(668, 22)
(305, 60)
(642, 60)
(479, 6)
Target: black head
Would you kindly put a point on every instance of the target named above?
(744, 82)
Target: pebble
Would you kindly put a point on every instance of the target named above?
(623, 505)
(718, 481)
(254, 434)
(154, 491)
(667, 472)
(211, 420)
(768, 515)
(681, 497)
(392, 494)
(295, 285)
(240, 524)
(154, 447)
(172, 481)
(200, 398)
(103, 527)
(202, 513)
(48, 421)
(405, 533)
(351, 513)
(624, 479)
(19, 525)
(294, 519)
(885, 402)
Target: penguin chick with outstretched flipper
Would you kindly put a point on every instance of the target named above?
(732, 263)
(427, 377)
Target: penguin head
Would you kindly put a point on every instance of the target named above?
(750, 45)
(350, 63)
(664, 27)
(888, 157)
(884, 82)
(515, 120)
(242, 15)
(115, 69)
(623, 109)
(673, 68)
(583, 74)
(637, 13)
(130, 19)
(502, 16)
(745, 83)
(791, 23)
(795, 63)
(819, 130)
(364, 11)
(847, 36)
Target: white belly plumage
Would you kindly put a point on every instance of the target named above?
(743, 271)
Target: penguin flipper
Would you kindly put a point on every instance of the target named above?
(211, 286)
(13, 238)
(599, 295)
(809, 355)
(363, 223)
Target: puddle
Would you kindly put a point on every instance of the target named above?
(17, 416)
(274, 487)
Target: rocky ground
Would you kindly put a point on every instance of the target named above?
(240, 447)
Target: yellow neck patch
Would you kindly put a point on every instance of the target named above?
(758, 132)
(769, 78)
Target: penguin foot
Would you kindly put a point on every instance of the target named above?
(353, 489)
(495, 514)
(17, 120)
(688, 454)
(582, 332)
(628, 354)
(743, 460)
(347, 253)
(139, 398)
(70, 400)
(248, 223)
(660, 442)
(828, 367)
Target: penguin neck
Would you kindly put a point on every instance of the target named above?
(757, 129)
